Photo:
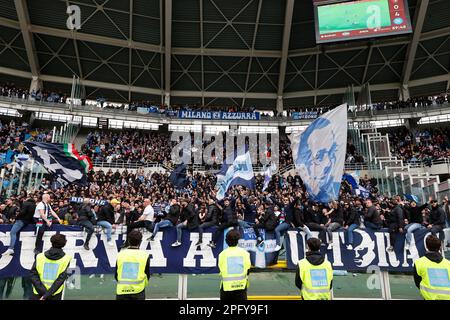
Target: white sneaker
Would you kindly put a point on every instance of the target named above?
(277, 248)
(406, 246)
(176, 244)
(330, 246)
(349, 247)
(9, 252)
(390, 249)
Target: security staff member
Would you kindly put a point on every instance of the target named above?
(432, 272)
(314, 274)
(132, 269)
(49, 271)
(234, 266)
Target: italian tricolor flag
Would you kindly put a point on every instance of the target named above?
(71, 151)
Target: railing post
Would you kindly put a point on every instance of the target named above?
(182, 286)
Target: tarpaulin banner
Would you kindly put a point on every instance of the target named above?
(186, 259)
(369, 250)
(218, 115)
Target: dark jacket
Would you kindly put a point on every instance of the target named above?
(106, 213)
(85, 213)
(315, 217)
(174, 214)
(229, 215)
(27, 211)
(433, 256)
(414, 215)
(52, 254)
(351, 216)
(373, 215)
(298, 218)
(437, 216)
(188, 213)
(395, 217)
(315, 258)
(269, 220)
(212, 215)
(337, 216)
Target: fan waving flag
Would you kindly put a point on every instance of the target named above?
(61, 160)
(319, 155)
(238, 173)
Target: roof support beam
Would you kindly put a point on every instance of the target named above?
(284, 52)
(130, 50)
(167, 49)
(419, 19)
(24, 23)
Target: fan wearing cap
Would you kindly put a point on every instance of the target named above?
(105, 217)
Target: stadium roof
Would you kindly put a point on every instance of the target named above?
(220, 52)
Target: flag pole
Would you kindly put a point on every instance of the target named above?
(11, 180)
(2, 176)
(30, 178)
(22, 169)
(54, 135)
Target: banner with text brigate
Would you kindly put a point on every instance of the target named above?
(369, 249)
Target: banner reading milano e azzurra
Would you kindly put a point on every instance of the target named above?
(218, 115)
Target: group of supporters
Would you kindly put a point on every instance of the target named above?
(137, 201)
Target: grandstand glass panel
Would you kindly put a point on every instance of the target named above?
(403, 287)
(356, 285)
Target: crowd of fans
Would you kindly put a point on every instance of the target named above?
(148, 200)
(424, 146)
(10, 90)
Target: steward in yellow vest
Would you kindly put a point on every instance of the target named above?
(314, 274)
(234, 266)
(132, 269)
(432, 272)
(48, 273)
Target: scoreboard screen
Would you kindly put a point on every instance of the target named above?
(347, 20)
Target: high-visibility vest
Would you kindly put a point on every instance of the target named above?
(131, 276)
(316, 280)
(234, 263)
(49, 270)
(435, 284)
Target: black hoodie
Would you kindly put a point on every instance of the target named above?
(433, 256)
(315, 258)
(52, 254)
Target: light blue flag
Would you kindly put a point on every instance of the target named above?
(238, 173)
(268, 173)
(319, 154)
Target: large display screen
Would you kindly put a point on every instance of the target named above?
(346, 20)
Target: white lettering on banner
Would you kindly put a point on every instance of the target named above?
(5, 259)
(363, 260)
(157, 258)
(294, 246)
(111, 251)
(382, 260)
(207, 259)
(337, 257)
(27, 240)
(412, 253)
(87, 257)
(391, 254)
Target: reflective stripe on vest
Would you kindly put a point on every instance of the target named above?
(316, 280)
(234, 263)
(435, 283)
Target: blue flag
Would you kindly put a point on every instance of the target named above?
(240, 172)
(319, 154)
(178, 176)
(412, 197)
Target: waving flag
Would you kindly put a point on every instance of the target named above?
(268, 173)
(61, 160)
(319, 154)
(238, 173)
(178, 176)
